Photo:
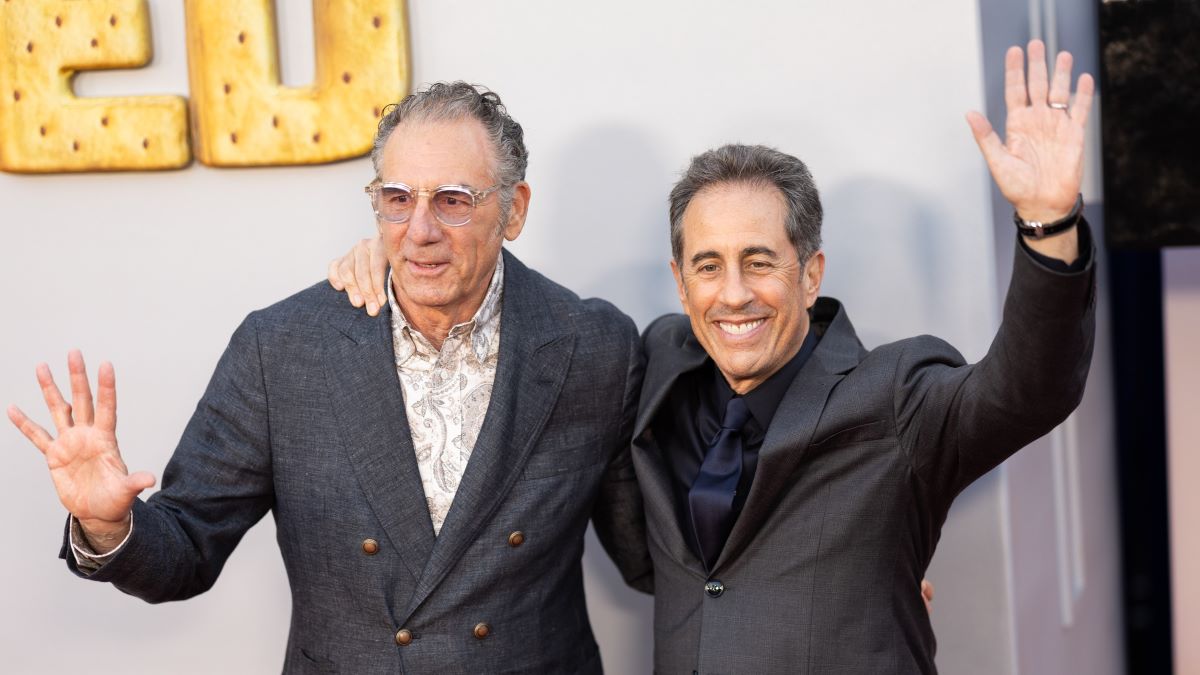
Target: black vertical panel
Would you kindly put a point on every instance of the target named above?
(1135, 289)
(1150, 85)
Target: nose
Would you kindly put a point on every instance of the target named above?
(734, 292)
(423, 226)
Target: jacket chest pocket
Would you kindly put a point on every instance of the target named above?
(859, 433)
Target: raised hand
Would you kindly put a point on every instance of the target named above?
(85, 461)
(1039, 165)
(362, 274)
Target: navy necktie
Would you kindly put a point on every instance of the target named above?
(712, 493)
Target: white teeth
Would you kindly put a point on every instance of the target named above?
(739, 328)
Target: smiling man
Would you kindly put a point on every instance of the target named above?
(796, 483)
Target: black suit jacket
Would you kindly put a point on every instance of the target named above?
(855, 477)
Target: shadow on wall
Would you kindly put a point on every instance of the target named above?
(607, 229)
(889, 259)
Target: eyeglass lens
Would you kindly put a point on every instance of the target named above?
(452, 206)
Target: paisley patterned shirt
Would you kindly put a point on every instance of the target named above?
(446, 393)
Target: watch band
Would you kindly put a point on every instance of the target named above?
(1038, 230)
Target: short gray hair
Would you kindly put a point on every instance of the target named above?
(449, 101)
(753, 165)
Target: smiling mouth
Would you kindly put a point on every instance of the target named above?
(739, 328)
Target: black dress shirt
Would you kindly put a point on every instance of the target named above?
(691, 418)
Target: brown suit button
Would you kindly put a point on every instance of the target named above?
(482, 630)
(404, 637)
(516, 539)
(370, 546)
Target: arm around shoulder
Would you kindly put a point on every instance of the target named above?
(619, 514)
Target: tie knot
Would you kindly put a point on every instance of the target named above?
(736, 414)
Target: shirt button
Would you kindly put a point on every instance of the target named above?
(714, 588)
(482, 630)
(404, 637)
(516, 539)
(370, 546)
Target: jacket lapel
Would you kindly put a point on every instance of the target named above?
(665, 365)
(369, 404)
(795, 421)
(535, 352)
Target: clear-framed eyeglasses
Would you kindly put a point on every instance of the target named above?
(453, 205)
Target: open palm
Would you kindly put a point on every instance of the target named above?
(84, 460)
(1039, 164)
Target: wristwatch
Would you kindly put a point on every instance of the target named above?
(1038, 230)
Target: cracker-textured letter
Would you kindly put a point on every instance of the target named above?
(243, 116)
(44, 127)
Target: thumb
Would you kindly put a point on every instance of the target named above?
(136, 482)
(986, 137)
(379, 266)
(332, 275)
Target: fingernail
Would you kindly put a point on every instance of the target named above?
(355, 299)
(372, 308)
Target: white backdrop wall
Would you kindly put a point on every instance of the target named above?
(154, 270)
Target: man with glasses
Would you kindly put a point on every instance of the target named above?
(431, 470)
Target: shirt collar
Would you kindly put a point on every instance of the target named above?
(483, 327)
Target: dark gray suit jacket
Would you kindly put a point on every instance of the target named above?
(855, 477)
(305, 418)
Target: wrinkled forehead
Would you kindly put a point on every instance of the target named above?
(443, 151)
(730, 218)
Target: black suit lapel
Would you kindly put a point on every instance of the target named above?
(369, 404)
(536, 346)
(665, 366)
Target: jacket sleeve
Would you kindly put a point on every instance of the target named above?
(215, 487)
(959, 421)
(619, 515)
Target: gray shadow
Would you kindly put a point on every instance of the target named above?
(611, 234)
(888, 259)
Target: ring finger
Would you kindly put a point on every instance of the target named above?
(1060, 84)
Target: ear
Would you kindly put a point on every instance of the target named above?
(520, 209)
(814, 272)
(679, 286)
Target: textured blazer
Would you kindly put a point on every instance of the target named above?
(305, 418)
(867, 450)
